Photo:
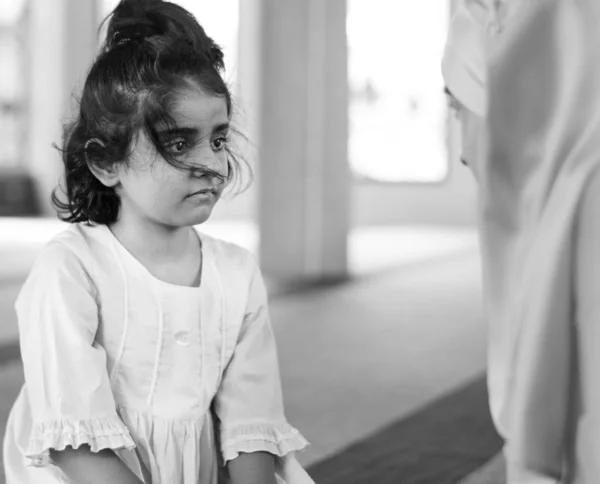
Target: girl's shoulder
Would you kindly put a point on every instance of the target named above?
(71, 249)
(227, 255)
(63, 263)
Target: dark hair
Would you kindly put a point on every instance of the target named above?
(153, 50)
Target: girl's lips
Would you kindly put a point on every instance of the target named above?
(205, 192)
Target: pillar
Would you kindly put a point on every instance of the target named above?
(62, 44)
(303, 172)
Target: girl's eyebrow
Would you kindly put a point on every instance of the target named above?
(188, 131)
(221, 127)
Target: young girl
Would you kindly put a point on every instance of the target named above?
(147, 348)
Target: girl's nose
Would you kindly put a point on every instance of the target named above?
(216, 179)
(212, 165)
(215, 174)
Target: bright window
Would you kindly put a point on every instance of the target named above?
(397, 107)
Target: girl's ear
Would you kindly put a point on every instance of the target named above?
(107, 173)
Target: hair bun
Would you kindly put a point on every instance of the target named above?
(136, 20)
(133, 29)
(130, 21)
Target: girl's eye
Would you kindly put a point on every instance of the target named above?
(219, 143)
(177, 147)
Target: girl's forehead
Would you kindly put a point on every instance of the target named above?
(194, 106)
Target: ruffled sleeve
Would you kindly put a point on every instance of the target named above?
(66, 376)
(249, 402)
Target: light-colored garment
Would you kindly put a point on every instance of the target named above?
(542, 292)
(464, 62)
(473, 26)
(539, 219)
(174, 379)
(464, 69)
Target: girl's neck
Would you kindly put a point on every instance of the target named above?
(151, 241)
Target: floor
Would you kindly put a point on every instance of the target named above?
(442, 442)
(354, 358)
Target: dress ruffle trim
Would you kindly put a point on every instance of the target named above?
(278, 439)
(98, 433)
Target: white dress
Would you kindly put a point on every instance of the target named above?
(175, 379)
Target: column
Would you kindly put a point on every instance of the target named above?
(303, 172)
(62, 44)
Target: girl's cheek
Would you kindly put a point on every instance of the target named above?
(224, 163)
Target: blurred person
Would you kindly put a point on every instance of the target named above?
(463, 69)
(147, 348)
(539, 216)
(542, 190)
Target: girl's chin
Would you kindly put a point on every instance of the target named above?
(189, 216)
(200, 215)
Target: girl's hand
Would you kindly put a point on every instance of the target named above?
(254, 468)
(86, 467)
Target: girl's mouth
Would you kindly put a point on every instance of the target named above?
(204, 193)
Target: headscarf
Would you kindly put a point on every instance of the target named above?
(543, 146)
(463, 64)
(464, 68)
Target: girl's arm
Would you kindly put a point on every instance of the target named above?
(254, 468)
(70, 396)
(255, 439)
(86, 467)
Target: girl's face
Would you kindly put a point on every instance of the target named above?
(152, 189)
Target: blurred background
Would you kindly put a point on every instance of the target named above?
(361, 215)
